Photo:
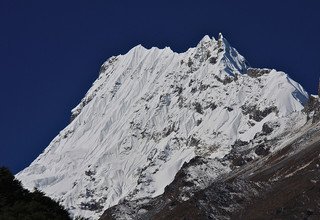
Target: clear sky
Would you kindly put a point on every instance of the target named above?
(51, 51)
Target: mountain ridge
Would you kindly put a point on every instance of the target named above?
(152, 110)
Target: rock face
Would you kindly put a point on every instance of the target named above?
(283, 185)
(151, 111)
(312, 108)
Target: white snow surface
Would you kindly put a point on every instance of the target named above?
(150, 111)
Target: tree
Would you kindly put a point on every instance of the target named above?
(19, 203)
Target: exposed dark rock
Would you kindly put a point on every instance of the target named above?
(190, 63)
(239, 161)
(266, 129)
(212, 106)
(213, 60)
(90, 172)
(251, 123)
(168, 130)
(239, 143)
(83, 103)
(255, 72)
(190, 82)
(225, 81)
(312, 109)
(193, 142)
(203, 87)
(181, 101)
(152, 154)
(262, 150)
(194, 89)
(69, 132)
(178, 90)
(256, 114)
(198, 107)
(103, 68)
(115, 88)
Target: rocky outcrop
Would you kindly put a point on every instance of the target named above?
(284, 185)
(312, 108)
(256, 72)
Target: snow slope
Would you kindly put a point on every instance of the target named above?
(150, 111)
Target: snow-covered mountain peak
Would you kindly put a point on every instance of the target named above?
(151, 110)
(223, 43)
(206, 39)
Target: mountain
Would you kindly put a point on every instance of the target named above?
(151, 112)
(283, 184)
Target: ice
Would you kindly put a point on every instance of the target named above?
(149, 112)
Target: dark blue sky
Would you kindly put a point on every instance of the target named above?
(51, 51)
